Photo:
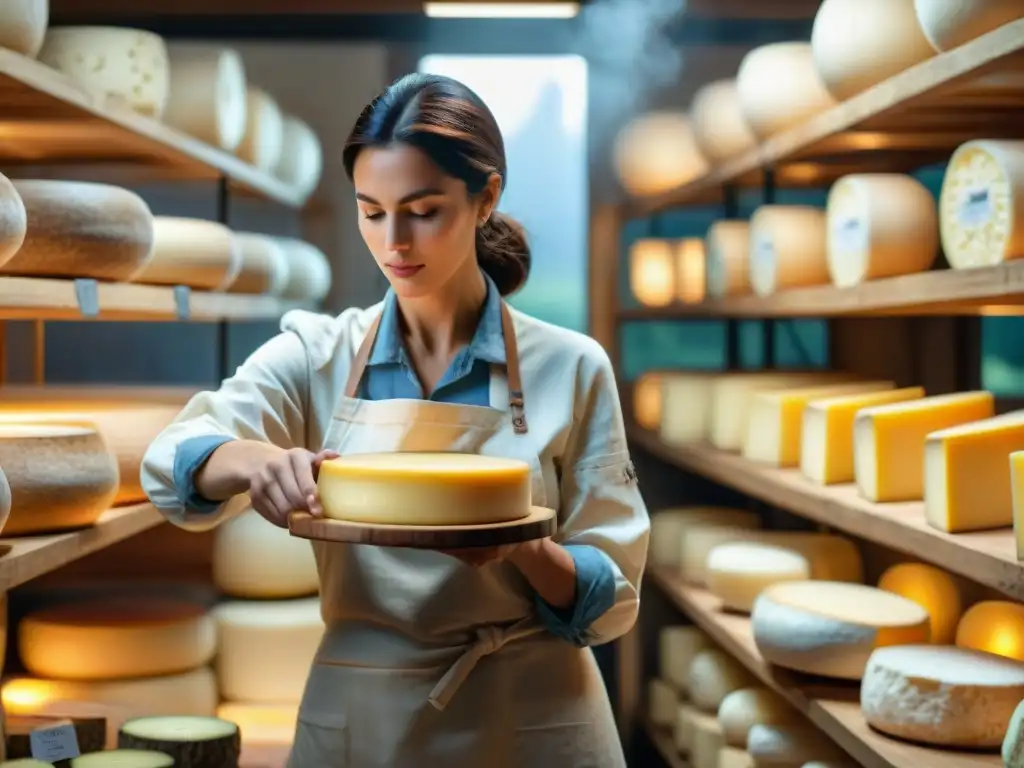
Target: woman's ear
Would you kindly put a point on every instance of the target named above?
(489, 197)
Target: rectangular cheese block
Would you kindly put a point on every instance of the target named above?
(967, 481)
(1017, 489)
(686, 407)
(826, 442)
(775, 422)
(888, 441)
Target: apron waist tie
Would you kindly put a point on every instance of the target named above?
(489, 640)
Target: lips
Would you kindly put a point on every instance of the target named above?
(404, 270)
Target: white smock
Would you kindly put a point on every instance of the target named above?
(427, 661)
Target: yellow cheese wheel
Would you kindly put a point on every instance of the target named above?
(993, 626)
(647, 400)
(727, 246)
(302, 159)
(652, 273)
(657, 152)
(128, 64)
(13, 220)
(195, 252)
(262, 723)
(779, 87)
(61, 477)
(880, 225)
(788, 248)
(207, 93)
(719, 127)
(951, 23)
(78, 229)
(254, 559)
(309, 271)
(263, 140)
(931, 588)
(23, 24)
(265, 265)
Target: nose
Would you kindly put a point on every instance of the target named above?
(397, 238)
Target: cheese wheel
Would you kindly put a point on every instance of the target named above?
(79, 229)
(831, 628)
(124, 758)
(713, 675)
(1017, 492)
(309, 272)
(198, 742)
(951, 23)
(13, 218)
(981, 205)
(931, 588)
(207, 94)
(302, 159)
(685, 725)
(5, 498)
(743, 709)
(1013, 744)
(677, 647)
(719, 127)
(727, 246)
(738, 572)
(425, 488)
(733, 757)
(264, 265)
(263, 140)
(647, 400)
(697, 540)
(662, 702)
(779, 87)
(61, 477)
(889, 441)
(940, 695)
(788, 248)
(193, 252)
(116, 638)
(708, 741)
(656, 152)
(23, 25)
(858, 43)
(256, 560)
(668, 526)
(267, 648)
(993, 626)
(262, 723)
(826, 439)
(783, 746)
(130, 65)
(880, 225)
(685, 408)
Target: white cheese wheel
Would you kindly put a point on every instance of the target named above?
(727, 246)
(698, 539)
(198, 742)
(657, 152)
(779, 87)
(255, 560)
(713, 675)
(880, 225)
(981, 206)
(830, 628)
(80, 229)
(266, 649)
(662, 702)
(951, 23)
(1013, 744)
(124, 758)
(785, 746)
(931, 588)
(309, 272)
(685, 407)
(13, 218)
(61, 477)
(128, 64)
(265, 265)
(734, 757)
(858, 43)
(788, 248)
(262, 723)
(23, 25)
(993, 626)
(677, 646)
(425, 488)
(719, 127)
(263, 140)
(116, 638)
(207, 94)
(741, 710)
(738, 572)
(302, 158)
(708, 741)
(194, 252)
(940, 695)
(668, 526)
(647, 400)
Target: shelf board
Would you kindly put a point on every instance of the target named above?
(833, 707)
(661, 739)
(909, 120)
(987, 557)
(50, 119)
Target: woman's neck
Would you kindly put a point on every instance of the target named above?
(445, 321)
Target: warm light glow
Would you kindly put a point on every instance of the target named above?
(993, 626)
(657, 152)
(931, 588)
(647, 401)
(652, 272)
(690, 271)
(502, 10)
(272, 724)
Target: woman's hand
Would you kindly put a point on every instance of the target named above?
(286, 483)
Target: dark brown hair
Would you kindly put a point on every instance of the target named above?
(451, 124)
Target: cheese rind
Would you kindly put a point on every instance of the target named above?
(23, 25)
(265, 265)
(309, 272)
(783, 746)
(738, 572)
(993, 626)
(713, 675)
(788, 248)
(677, 647)
(256, 560)
(207, 93)
(668, 528)
(302, 161)
(931, 588)
(263, 139)
(13, 218)
(727, 251)
(950, 23)
(685, 407)
(656, 152)
(743, 709)
(719, 127)
(770, 108)
(194, 252)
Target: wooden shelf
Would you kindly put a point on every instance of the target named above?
(661, 739)
(48, 119)
(832, 706)
(910, 120)
(987, 557)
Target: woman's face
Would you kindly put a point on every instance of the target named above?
(418, 222)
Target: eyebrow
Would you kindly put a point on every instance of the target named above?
(410, 198)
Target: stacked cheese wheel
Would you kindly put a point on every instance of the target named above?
(656, 152)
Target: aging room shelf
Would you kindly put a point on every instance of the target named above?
(49, 119)
(833, 706)
(661, 740)
(909, 120)
(987, 557)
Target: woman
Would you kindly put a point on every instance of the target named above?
(435, 658)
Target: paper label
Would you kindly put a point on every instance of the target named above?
(850, 235)
(87, 293)
(54, 743)
(182, 302)
(763, 257)
(975, 207)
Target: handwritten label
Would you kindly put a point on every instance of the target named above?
(88, 295)
(850, 235)
(182, 301)
(53, 743)
(762, 260)
(975, 207)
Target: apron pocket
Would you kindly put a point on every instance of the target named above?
(319, 744)
(568, 745)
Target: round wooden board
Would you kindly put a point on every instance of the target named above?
(541, 522)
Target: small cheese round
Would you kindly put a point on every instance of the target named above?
(657, 152)
(425, 489)
(647, 400)
(677, 647)
(194, 252)
(265, 265)
(931, 588)
(831, 628)
(13, 218)
(779, 87)
(662, 702)
(739, 571)
(262, 723)
(788, 248)
(256, 560)
(993, 626)
(668, 527)
(309, 272)
(713, 675)
(302, 159)
(951, 23)
(23, 25)
(207, 94)
(741, 710)
(783, 746)
(198, 742)
(727, 246)
(263, 140)
(719, 127)
(124, 758)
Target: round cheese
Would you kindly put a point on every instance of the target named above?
(719, 127)
(309, 272)
(677, 647)
(951, 23)
(266, 649)
(788, 248)
(264, 265)
(742, 709)
(668, 526)
(940, 695)
(124, 758)
(713, 675)
(652, 272)
(198, 742)
(302, 159)
(256, 560)
(657, 152)
(662, 702)
(13, 218)
(727, 246)
(697, 540)
(60, 477)
(1013, 743)
(262, 723)
(686, 407)
(993, 626)
(830, 628)
(783, 746)
(880, 225)
(931, 588)
(263, 139)
(981, 206)
(207, 94)
(23, 25)
(130, 65)
(779, 87)
(116, 638)
(647, 400)
(425, 489)
(80, 229)
(858, 43)
(738, 572)
(193, 252)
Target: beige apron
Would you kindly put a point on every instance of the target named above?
(427, 661)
